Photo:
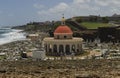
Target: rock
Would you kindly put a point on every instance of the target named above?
(3, 71)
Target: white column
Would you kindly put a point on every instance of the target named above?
(52, 48)
(70, 48)
(64, 49)
(57, 48)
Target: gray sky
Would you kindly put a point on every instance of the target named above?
(19, 12)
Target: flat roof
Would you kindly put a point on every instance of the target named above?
(62, 40)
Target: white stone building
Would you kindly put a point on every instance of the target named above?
(38, 55)
(63, 43)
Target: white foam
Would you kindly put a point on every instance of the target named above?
(14, 35)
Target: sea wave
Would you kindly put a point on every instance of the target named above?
(12, 35)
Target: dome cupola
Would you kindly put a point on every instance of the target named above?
(63, 31)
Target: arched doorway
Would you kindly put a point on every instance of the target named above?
(61, 50)
(67, 49)
(55, 50)
(46, 47)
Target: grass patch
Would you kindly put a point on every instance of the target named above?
(2, 57)
(94, 25)
(85, 53)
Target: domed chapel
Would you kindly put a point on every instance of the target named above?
(63, 43)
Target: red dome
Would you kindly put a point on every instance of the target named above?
(62, 30)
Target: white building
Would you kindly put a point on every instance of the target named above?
(63, 43)
(38, 54)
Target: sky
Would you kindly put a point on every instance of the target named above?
(20, 12)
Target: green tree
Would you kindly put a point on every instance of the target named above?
(105, 19)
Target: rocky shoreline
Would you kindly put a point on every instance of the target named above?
(61, 69)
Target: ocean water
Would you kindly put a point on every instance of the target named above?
(9, 35)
